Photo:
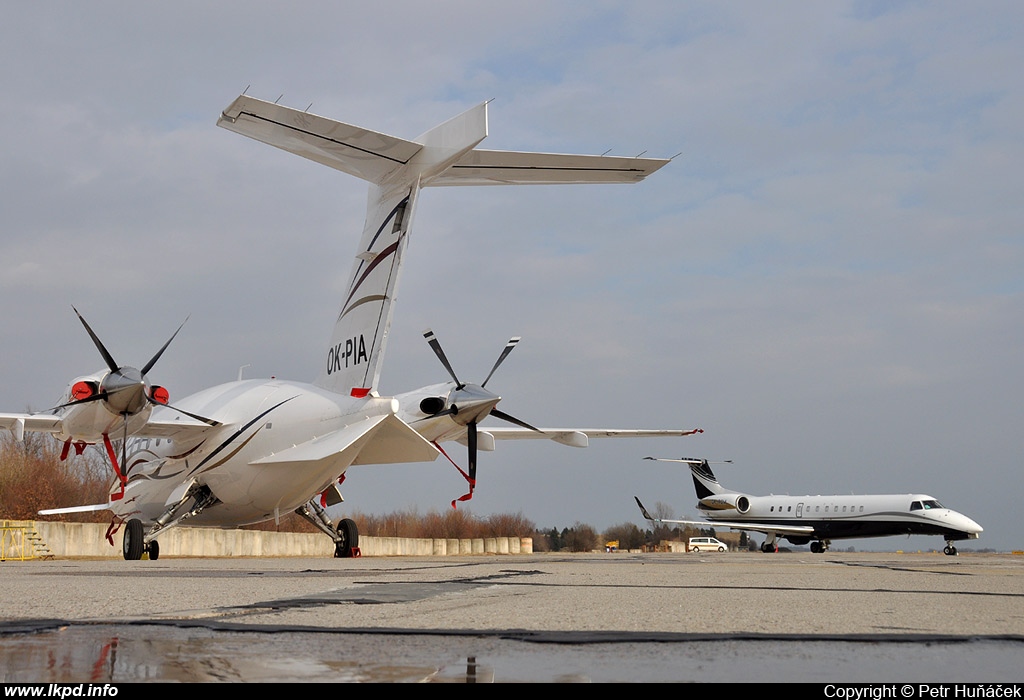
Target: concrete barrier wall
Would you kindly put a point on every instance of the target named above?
(68, 540)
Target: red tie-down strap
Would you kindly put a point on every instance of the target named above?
(472, 482)
(117, 470)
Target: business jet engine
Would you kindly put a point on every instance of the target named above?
(724, 502)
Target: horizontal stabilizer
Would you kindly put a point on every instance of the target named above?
(366, 154)
(373, 156)
(480, 167)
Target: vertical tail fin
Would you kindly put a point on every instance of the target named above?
(397, 169)
(704, 481)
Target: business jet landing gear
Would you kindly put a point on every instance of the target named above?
(950, 550)
(819, 547)
(134, 544)
(770, 545)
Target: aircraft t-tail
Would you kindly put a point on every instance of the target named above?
(249, 451)
(820, 519)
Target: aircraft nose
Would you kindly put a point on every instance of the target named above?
(963, 523)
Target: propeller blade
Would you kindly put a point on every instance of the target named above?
(149, 365)
(436, 346)
(98, 343)
(209, 421)
(509, 347)
(512, 419)
(471, 439)
(99, 396)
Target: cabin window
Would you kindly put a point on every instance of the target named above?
(862, 509)
(826, 509)
(844, 509)
(789, 509)
(772, 509)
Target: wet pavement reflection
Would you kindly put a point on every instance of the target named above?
(132, 653)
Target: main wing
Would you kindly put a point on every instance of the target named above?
(20, 423)
(765, 528)
(176, 427)
(576, 437)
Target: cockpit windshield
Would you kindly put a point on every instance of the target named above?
(925, 505)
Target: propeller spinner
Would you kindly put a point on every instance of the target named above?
(468, 404)
(125, 390)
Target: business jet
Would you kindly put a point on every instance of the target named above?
(251, 450)
(820, 519)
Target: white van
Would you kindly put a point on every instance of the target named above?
(706, 544)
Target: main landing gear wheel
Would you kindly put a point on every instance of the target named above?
(347, 544)
(134, 544)
(816, 547)
(769, 548)
(950, 550)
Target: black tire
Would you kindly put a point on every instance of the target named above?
(154, 550)
(721, 549)
(348, 539)
(695, 549)
(133, 543)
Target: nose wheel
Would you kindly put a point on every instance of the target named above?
(950, 550)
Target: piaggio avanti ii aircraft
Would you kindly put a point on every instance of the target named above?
(251, 451)
(820, 519)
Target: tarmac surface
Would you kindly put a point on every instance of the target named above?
(835, 617)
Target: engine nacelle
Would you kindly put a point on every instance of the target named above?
(724, 502)
(432, 405)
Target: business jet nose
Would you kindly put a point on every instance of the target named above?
(959, 521)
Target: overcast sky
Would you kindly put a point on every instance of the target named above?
(827, 279)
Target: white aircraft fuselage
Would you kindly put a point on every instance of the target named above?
(820, 519)
(845, 517)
